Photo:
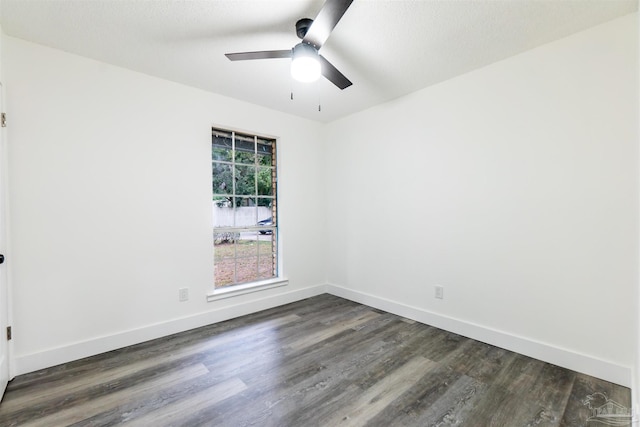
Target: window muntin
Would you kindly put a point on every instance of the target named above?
(245, 208)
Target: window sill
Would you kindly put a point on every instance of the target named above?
(247, 288)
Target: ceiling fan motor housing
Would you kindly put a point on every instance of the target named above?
(302, 26)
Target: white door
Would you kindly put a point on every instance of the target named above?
(4, 294)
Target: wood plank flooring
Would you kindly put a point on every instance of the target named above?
(323, 361)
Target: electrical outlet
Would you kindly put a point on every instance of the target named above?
(183, 294)
(439, 291)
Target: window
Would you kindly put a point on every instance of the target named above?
(245, 219)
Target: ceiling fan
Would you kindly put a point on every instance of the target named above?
(307, 64)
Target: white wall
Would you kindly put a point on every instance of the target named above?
(111, 204)
(515, 187)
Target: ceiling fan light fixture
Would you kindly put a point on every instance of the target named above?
(305, 64)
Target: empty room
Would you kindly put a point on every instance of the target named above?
(319, 213)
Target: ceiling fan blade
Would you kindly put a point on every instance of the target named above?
(326, 21)
(333, 75)
(263, 54)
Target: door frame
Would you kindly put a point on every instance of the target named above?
(5, 303)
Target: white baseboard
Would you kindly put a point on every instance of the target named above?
(635, 390)
(558, 356)
(52, 357)
(547, 353)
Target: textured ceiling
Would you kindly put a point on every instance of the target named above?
(387, 48)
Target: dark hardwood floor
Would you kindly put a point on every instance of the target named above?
(324, 361)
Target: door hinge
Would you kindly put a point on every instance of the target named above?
(9, 335)
(3, 120)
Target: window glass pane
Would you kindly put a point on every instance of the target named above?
(247, 270)
(245, 180)
(223, 201)
(220, 154)
(245, 158)
(221, 147)
(225, 240)
(266, 246)
(267, 260)
(266, 271)
(223, 215)
(266, 202)
(265, 153)
(265, 181)
(247, 259)
(245, 149)
(222, 178)
(246, 214)
(265, 217)
(249, 239)
(267, 209)
(224, 256)
(224, 272)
